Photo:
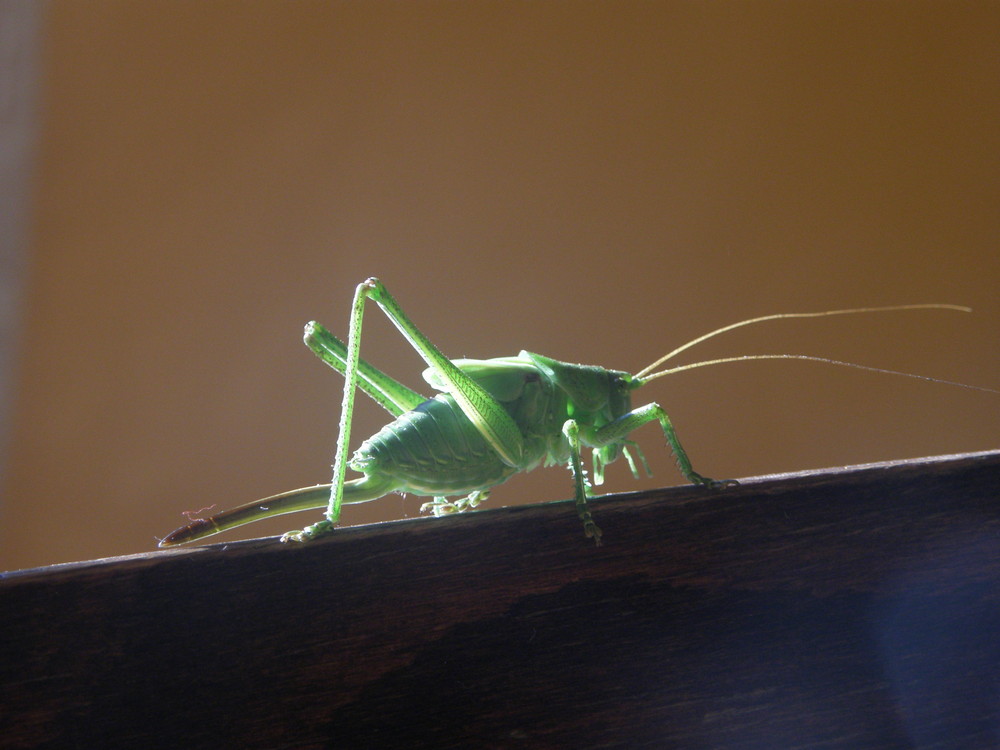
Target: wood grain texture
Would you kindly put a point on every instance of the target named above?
(851, 608)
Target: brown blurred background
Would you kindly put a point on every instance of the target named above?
(595, 181)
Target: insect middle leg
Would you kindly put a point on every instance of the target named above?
(571, 429)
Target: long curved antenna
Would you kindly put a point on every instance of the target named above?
(649, 368)
(808, 358)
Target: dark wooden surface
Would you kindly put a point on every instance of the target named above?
(855, 608)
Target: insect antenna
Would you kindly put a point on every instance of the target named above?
(645, 375)
(808, 358)
(850, 311)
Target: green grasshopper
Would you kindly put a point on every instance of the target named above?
(492, 419)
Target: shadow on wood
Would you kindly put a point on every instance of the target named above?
(853, 608)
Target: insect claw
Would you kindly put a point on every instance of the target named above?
(592, 532)
(712, 484)
(720, 484)
(308, 533)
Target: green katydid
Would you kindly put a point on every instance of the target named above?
(492, 419)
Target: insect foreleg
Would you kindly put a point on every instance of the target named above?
(582, 490)
(615, 432)
(600, 462)
(638, 452)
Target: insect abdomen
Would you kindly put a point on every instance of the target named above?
(432, 450)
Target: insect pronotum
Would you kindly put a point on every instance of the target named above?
(490, 420)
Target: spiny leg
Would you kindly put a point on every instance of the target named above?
(482, 410)
(641, 456)
(572, 432)
(344, 436)
(600, 462)
(617, 430)
(485, 413)
(385, 390)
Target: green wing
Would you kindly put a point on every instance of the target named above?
(503, 377)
